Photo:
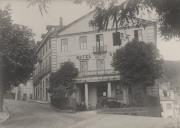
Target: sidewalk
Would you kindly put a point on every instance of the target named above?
(4, 115)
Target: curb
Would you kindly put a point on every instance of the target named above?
(6, 115)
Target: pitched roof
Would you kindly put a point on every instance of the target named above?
(58, 30)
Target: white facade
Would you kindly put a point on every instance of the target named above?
(167, 100)
(91, 52)
(24, 91)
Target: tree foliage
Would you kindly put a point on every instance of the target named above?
(167, 10)
(17, 49)
(139, 63)
(63, 79)
(41, 4)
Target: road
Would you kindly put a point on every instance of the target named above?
(35, 115)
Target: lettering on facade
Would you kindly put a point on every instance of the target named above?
(84, 57)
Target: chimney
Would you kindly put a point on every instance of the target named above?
(61, 21)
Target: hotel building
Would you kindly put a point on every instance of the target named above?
(91, 52)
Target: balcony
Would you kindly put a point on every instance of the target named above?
(100, 49)
(95, 76)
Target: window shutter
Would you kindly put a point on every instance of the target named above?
(136, 35)
(116, 39)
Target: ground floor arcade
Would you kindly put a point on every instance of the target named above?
(90, 93)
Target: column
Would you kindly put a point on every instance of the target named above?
(109, 89)
(16, 93)
(86, 95)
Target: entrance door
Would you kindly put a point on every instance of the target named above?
(102, 90)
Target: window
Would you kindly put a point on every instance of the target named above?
(43, 47)
(46, 46)
(49, 60)
(64, 45)
(165, 94)
(49, 44)
(42, 66)
(99, 40)
(47, 63)
(100, 64)
(138, 34)
(42, 88)
(168, 106)
(83, 42)
(117, 38)
(83, 66)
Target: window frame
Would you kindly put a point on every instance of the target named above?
(82, 62)
(64, 48)
(100, 42)
(97, 64)
(83, 44)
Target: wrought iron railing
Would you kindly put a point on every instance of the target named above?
(100, 49)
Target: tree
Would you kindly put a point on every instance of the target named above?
(17, 53)
(167, 10)
(63, 79)
(123, 12)
(139, 65)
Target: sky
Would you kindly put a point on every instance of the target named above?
(31, 17)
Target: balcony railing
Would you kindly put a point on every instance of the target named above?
(99, 49)
(108, 72)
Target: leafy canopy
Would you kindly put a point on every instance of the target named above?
(121, 10)
(167, 10)
(63, 79)
(16, 49)
(139, 63)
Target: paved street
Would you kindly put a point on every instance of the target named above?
(35, 115)
(122, 121)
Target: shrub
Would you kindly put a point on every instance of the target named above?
(60, 102)
(81, 107)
